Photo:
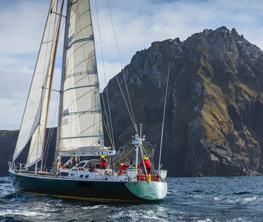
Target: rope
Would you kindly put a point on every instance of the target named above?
(50, 133)
(161, 143)
(123, 157)
(107, 53)
(109, 120)
(108, 132)
(129, 107)
(111, 127)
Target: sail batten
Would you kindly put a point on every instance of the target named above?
(76, 137)
(81, 40)
(78, 87)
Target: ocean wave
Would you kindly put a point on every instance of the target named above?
(188, 199)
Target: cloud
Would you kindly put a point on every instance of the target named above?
(137, 24)
(10, 114)
(13, 85)
(21, 25)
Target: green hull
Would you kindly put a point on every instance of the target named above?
(87, 189)
(148, 190)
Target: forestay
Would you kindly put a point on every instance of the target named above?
(81, 124)
(37, 93)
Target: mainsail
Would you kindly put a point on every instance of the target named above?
(81, 123)
(37, 93)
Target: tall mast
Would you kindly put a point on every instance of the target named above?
(51, 72)
(62, 85)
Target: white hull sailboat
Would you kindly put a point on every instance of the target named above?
(80, 138)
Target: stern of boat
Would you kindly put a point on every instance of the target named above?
(148, 190)
(150, 187)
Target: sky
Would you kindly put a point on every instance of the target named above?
(136, 24)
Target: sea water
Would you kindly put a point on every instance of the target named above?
(188, 199)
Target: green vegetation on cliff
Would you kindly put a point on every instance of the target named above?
(214, 121)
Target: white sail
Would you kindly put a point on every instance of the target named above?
(81, 125)
(33, 110)
(38, 139)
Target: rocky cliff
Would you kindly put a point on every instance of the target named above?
(8, 140)
(214, 120)
(7, 143)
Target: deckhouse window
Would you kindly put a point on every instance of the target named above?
(63, 174)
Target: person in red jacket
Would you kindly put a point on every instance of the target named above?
(123, 168)
(147, 164)
(103, 162)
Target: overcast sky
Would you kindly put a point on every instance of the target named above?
(137, 24)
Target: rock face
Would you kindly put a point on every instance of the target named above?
(7, 144)
(214, 121)
(8, 140)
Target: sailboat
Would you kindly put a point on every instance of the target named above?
(77, 170)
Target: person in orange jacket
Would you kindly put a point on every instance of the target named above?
(103, 162)
(147, 164)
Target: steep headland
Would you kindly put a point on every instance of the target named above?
(214, 121)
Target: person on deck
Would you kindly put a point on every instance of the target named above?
(103, 162)
(123, 167)
(147, 163)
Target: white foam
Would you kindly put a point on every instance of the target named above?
(22, 213)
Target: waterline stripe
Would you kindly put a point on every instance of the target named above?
(80, 198)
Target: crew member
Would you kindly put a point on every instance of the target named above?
(147, 163)
(103, 162)
(123, 167)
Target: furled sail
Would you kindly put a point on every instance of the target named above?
(35, 100)
(81, 124)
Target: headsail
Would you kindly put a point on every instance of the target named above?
(33, 110)
(38, 140)
(81, 125)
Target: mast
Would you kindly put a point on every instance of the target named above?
(51, 73)
(62, 85)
